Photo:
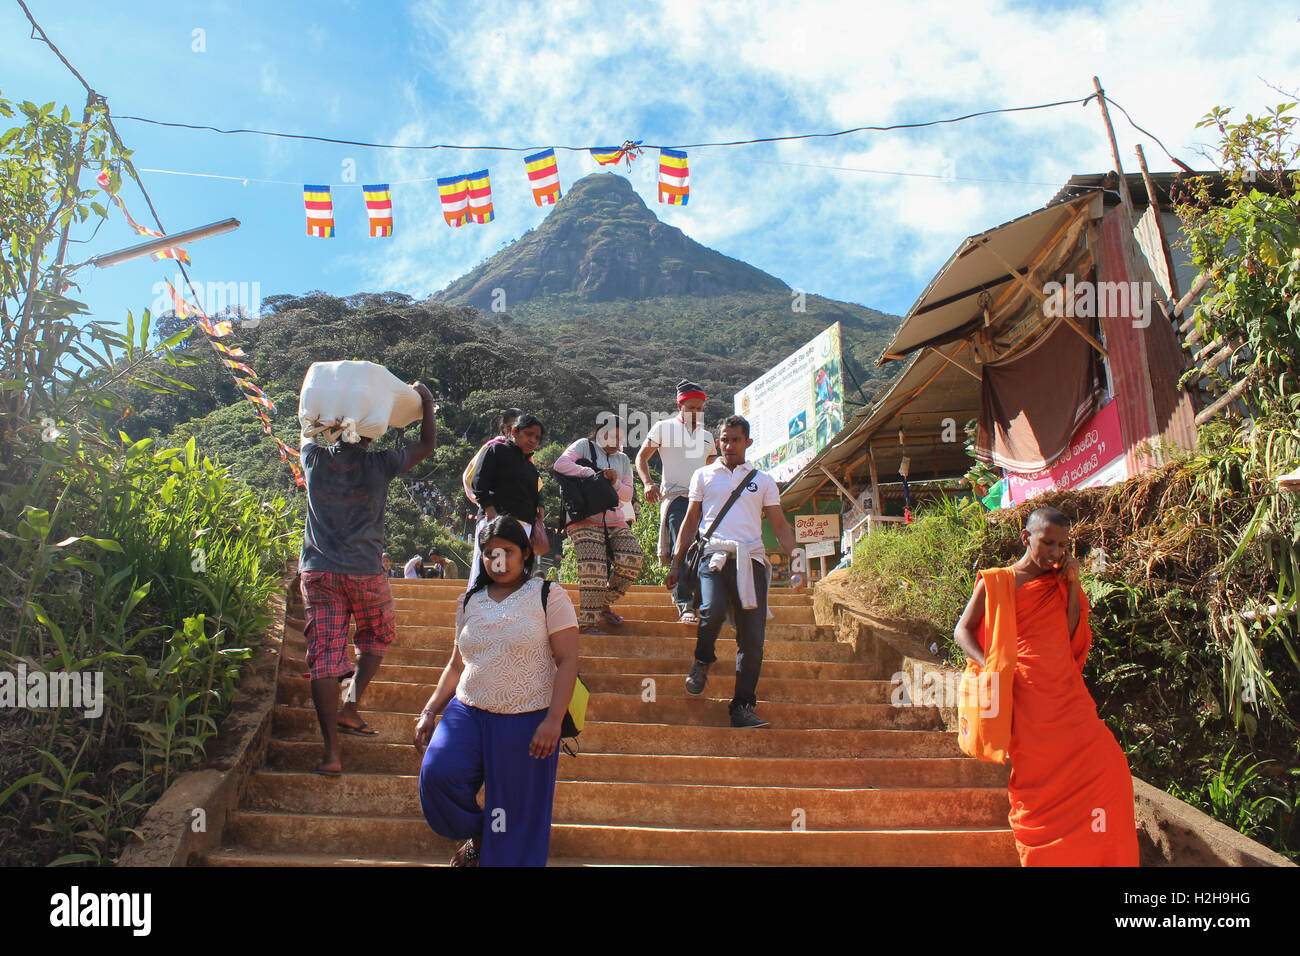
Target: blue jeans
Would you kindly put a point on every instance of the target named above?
(682, 595)
(717, 589)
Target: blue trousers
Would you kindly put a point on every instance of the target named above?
(472, 748)
(682, 595)
(717, 589)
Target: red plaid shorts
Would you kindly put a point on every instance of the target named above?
(330, 599)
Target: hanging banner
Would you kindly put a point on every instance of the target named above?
(796, 409)
(674, 177)
(543, 177)
(320, 211)
(1095, 457)
(379, 209)
(454, 191)
(480, 197)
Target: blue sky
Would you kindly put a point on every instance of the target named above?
(835, 217)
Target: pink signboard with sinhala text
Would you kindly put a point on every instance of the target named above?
(1095, 457)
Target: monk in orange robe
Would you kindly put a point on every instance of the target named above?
(1071, 790)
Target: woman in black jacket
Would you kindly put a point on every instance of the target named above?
(507, 483)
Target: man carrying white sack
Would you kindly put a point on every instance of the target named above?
(342, 574)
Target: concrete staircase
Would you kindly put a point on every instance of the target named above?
(841, 777)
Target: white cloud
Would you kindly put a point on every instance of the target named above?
(576, 72)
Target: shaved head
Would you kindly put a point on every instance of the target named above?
(1041, 517)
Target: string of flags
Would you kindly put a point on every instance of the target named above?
(214, 332)
(467, 197)
(177, 253)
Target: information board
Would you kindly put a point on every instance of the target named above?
(797, 408)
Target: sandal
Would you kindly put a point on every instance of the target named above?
(688, 617)
(466, 854)
(608, 615)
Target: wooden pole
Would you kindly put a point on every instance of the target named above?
(875, 483)
(1114, 151)
(939, 353)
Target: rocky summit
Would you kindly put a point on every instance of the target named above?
(602, 243)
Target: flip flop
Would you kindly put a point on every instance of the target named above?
(363, 731)
(611, 617)
(328, 773)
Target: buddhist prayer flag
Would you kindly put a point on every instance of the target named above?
(454, 191)
(611, 155)
(480, 197)
(543, 177)
(178, 304)
(320, 211)
(607, 155)
(674, 179)
(379, 207)
(239, 366)
(173, 253)
(236, 352)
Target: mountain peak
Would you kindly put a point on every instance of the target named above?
(602, 243)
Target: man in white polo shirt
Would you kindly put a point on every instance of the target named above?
(734, 573)
(683, 444)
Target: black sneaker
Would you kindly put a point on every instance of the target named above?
(697, 678)
(744, 716)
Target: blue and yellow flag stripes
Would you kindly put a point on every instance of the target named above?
(320, 211)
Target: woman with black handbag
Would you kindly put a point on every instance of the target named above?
(609, 557)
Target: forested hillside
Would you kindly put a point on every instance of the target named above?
(620, 330)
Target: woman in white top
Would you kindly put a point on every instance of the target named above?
(503, 697)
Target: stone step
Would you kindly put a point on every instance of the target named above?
(431, 587)
(671, 684)
(775, 646)
(634, 615)
(951, 772)
(299, 723)
(410, 837)
(657, 804)
(409, 634)
(295, 664)
(238, 857)
(677, 708)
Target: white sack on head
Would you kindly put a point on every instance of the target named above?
(353, 400)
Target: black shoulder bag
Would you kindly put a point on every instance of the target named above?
(584, 497)
(690, 572)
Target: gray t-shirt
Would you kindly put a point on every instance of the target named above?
(347, 490)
